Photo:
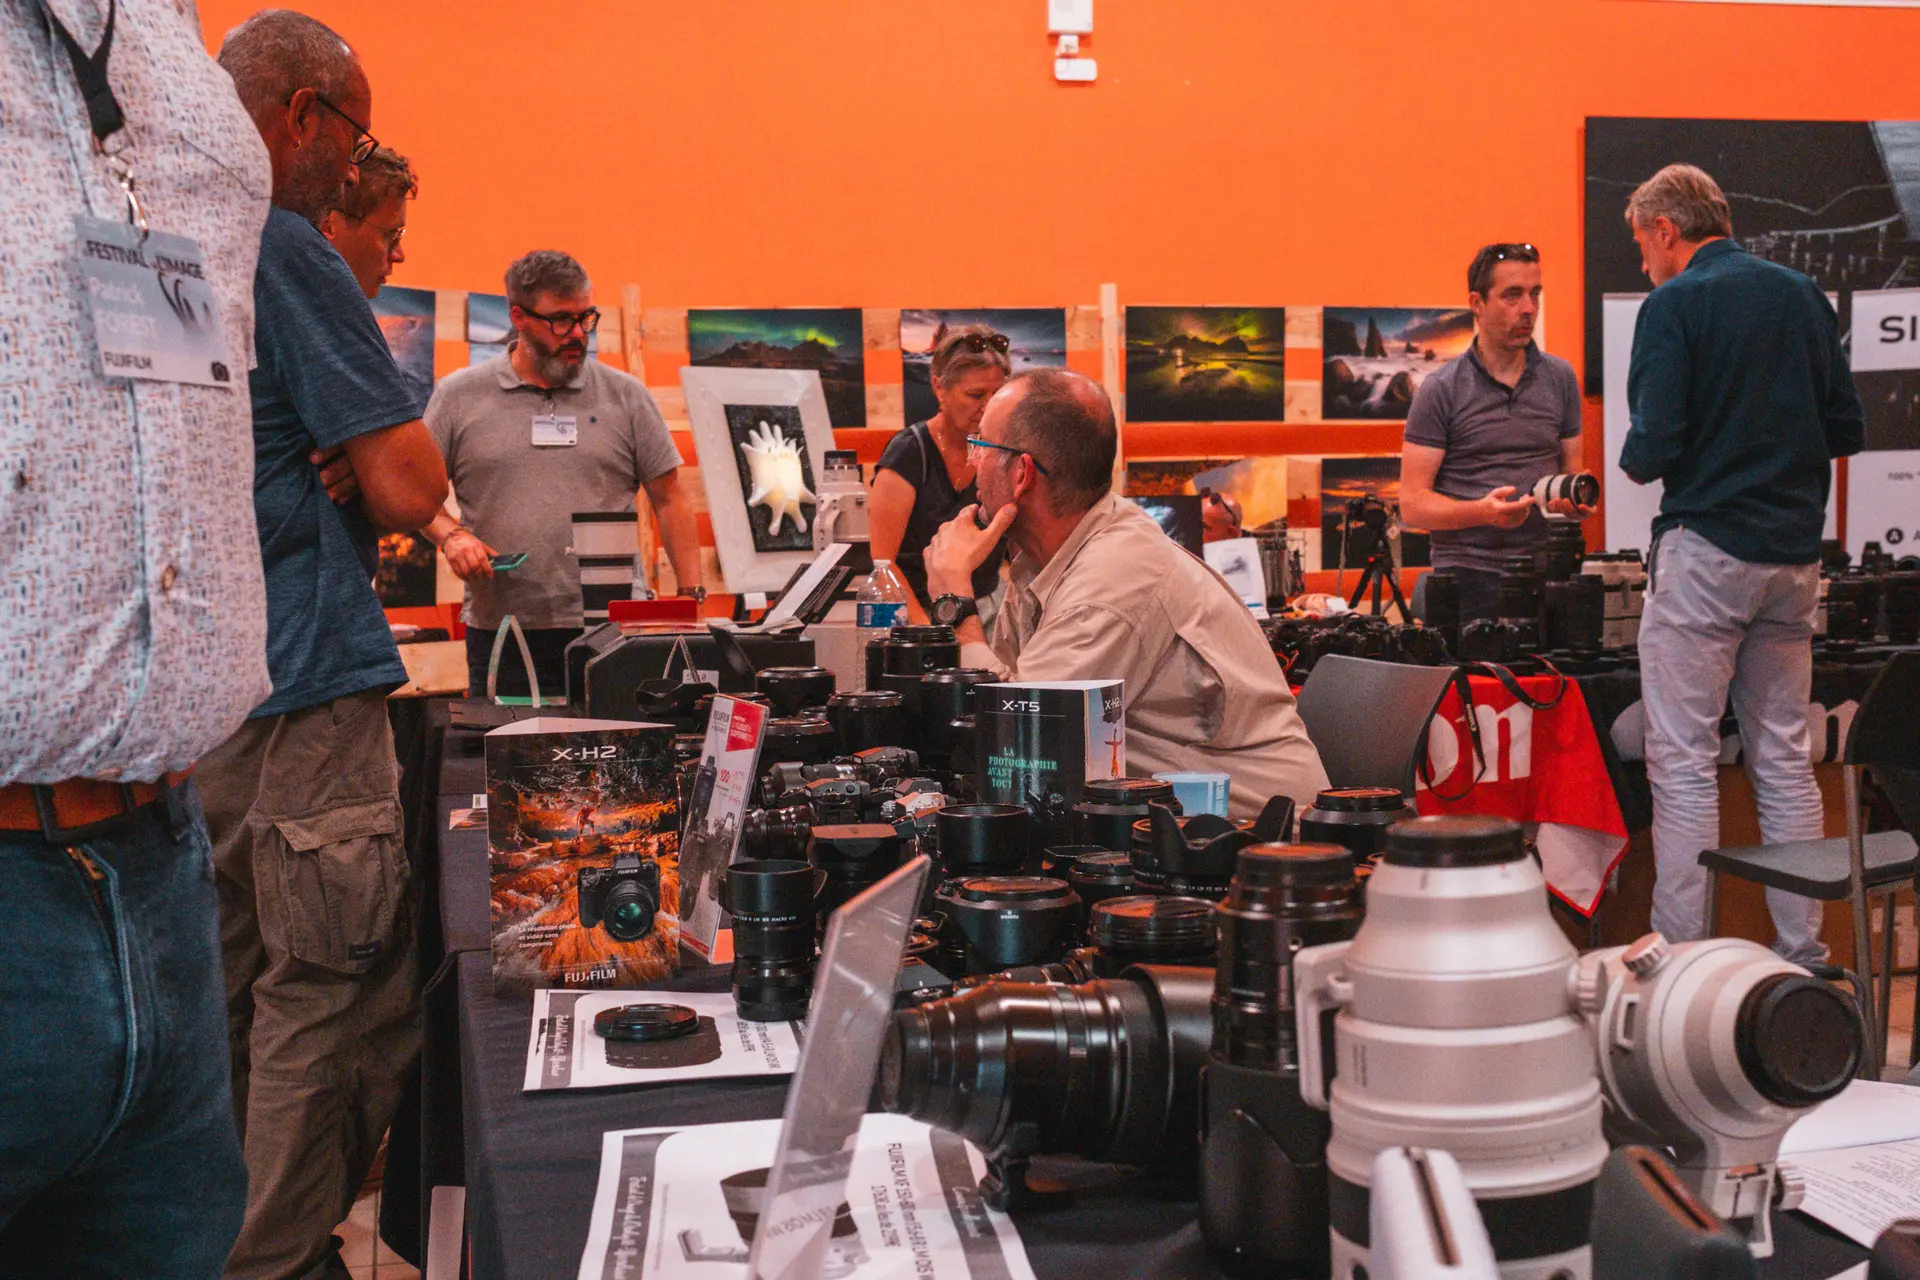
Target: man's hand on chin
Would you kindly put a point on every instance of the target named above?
(959, 547)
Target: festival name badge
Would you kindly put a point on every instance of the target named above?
(154, 314)
(555, 430)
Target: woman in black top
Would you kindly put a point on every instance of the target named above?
(925, 477)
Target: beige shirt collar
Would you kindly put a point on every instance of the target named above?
(1039, 586)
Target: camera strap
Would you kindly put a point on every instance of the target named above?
(1463, 685)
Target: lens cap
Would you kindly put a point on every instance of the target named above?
(1798, 1039)
(646, 1022)
(1103, 868)
(1466, 841)
(1127, 791)
(1271, 866)
(1008, 888)
(1360, 800)
(1146, 922)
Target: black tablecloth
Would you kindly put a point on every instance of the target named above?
(532, 1160)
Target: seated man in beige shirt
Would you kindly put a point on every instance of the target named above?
(1100, 593)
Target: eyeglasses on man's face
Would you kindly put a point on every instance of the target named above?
(563, 322)
(364, 144)
(974, 443)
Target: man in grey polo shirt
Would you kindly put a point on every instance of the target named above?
(531, 437)
(1485, 428)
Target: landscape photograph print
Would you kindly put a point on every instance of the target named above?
(1206, 364)
(828, 340)
(1036, 337)
(1375, 358)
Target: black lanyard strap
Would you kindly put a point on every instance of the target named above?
(103, 109)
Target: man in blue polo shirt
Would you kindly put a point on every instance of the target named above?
(1740, 398)
(302, 802)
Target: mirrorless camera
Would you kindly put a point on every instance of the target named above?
(621, 898)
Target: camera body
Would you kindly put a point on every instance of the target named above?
(1367, 510)
(622, 898)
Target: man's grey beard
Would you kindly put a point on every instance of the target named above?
(552, 366)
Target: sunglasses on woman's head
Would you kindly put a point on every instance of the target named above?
(978, 342)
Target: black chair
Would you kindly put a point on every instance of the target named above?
(1369, 719)
(1884, 738)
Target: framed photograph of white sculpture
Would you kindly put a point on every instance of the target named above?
(772, 425)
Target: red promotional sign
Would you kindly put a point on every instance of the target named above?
(743, 730)
(1543, 768)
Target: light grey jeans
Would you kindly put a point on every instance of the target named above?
(1715, 626)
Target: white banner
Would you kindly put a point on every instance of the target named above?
(1886, 329)
(1883, 501)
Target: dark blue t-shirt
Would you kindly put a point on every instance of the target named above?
(325, 375)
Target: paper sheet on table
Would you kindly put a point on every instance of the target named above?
(564, 1051)
(1852, 1273)
(685, 1203)
(1866, 1113)
(1861, 1191)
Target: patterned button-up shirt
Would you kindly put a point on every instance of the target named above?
(132, 614)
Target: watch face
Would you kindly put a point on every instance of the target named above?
(946, 611)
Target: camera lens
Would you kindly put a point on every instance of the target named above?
(980, 839)
(1142, 929)
(791, 690)
(629, 911)
(870, 718)
(798, 740)
(998, 922)
(1109, 807)
(687, 747)
(1192, 856)
(1903, 607)
(1355, 818)
(1566, 549)
(1056, 860)
(1108, 1069)
(1520, 597)
(1798, 1039)
(773, 926)
(1263, 1170)
(946, 715)
(855, 856)
(1576, 614)
(777, 833)
(1097, 877)
(1462, 841)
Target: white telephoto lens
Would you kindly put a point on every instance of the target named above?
(1456, 1031)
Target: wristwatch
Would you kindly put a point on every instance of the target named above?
(696, 594)
(948, 611)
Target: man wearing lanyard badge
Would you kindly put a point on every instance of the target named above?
(302, 801)
(132, 637)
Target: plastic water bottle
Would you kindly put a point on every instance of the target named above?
(881, 604)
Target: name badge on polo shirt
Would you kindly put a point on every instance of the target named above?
(552, 430)
(154, 313)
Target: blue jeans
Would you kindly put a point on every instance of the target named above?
(118, 1156)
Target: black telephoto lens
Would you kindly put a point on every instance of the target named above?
(1263, 1171)
(946, 714)
(1442, 607)
(1075, 966)
(1903, 607)
(871, 718)
(1566, 549)
(909, 650)
(1576, 614)
(773, 925)
(798, 740)
(983, 839)
(1520, 600)
(1096, 877)
(791, 690)
(1355, 818)
(1107, 1069)
(1109, 807)
(1143, 929)
(856, 856)
(998, 922)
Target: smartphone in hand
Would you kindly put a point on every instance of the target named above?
(507, 563)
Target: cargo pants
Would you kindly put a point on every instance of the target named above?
(315, 926)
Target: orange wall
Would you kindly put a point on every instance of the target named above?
(911, 152)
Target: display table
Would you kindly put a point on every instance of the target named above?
(532, 1159)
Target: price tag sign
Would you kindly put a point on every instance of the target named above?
(154, 313)
(1886, 329)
